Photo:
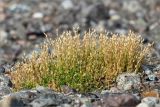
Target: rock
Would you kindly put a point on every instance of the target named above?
(2, 5)
(43, 101)
(43, 90)
(19, 33)
(100, 26)
(152, 77)
(131, 6)
(97, 12)
(157, 105)
(86, 102)
(11, 101)
(5, 90)
(150, 100)
(37, 28)
(26, 96)
(66, 105)
(2, 17)
(115, 90)
(123, 100)
(47, 28)
(105, 93)
(121, 31)
(67, 4)
(92, 96)
(155, 32)
(114, 15)
(19, 8)
(157, 68)
(147, 71)
(2, 70)
(5, 81)
(144, 105)
(107, 2)
(67, 90)
(139, 24)
(3, 38)
(128, 81)
(48, 97)
(38, 15)
(41, 97)
(81, 101)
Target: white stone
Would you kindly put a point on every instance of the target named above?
(148, 71)
(38, 15)
(152, 77)
(67, 4)
(143, 105)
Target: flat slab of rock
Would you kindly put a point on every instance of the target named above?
(11, 101)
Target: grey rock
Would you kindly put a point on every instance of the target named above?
(123, 100)
(152, 77)
(157, 68)
(26, 95)
(2, 70)
(107, 2)
(139, 24)
(100, 26)
(50, 100)
(65, 105)
(47, 28)
(5, 81)
(3, 38)
(5, 90)
(121, 31)
(148, 71)
(105, 93)
(151, 101)
(11, 101)
(86, 103)
(19, 8)
(67, 4)
(155, 31)
(43, 90)
(157, 105)
(19, 33)
(97, 12)
(127, 81)
(131, 6)
(115, 90)
(43, 101)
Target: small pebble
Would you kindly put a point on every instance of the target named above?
(38, 15)
(2, 70)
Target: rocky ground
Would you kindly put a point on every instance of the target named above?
(24, 22)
